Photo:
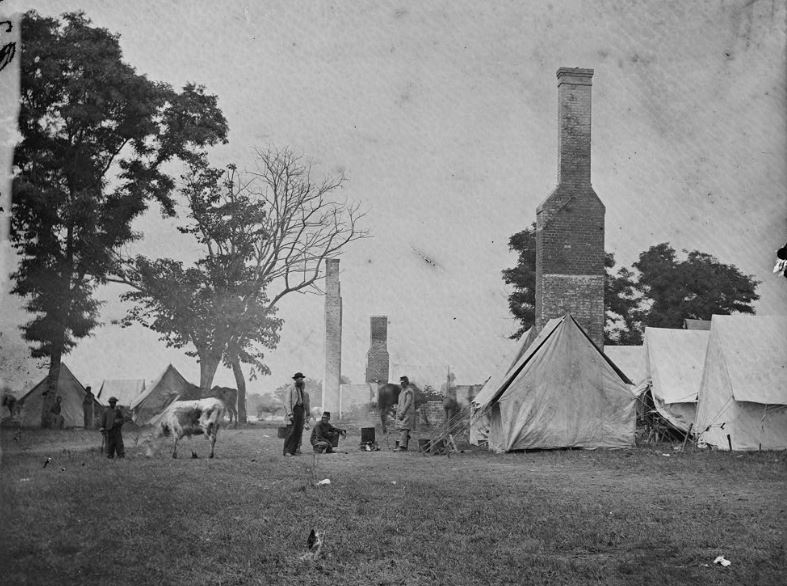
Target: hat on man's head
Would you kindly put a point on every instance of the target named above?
(298, 375)
(326, 414)
(112, 400)
(404, 379)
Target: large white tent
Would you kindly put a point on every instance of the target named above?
(629, 359)
(126, 391)
(562, 392)
(742, 403)
(479, 417)
(72, 407)
(674, 361)
(169, 387)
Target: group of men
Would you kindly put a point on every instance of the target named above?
(324, 436)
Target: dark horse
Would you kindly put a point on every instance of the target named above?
(387, 397)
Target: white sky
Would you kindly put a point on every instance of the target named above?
(443, 116)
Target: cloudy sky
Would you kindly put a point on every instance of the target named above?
(443, 117)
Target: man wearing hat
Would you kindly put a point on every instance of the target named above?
(325, 436)
(296, 403)
(405, 413)
(111, 426)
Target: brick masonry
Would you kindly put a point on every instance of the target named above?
(333, 337)
(377, 358)
(570, 222)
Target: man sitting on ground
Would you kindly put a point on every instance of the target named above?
(325, 436)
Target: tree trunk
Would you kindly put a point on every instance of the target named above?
(240, 382)
(51, 387)
(208, 364)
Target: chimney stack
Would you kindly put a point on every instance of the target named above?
(570, 222)
(377, 359)
(573, 96)
(331, 383)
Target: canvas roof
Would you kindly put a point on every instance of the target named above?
(68, 387)
(696, 324)
(754, 350)
(169, 387)
(742, 401)
(562, 392)
(630, 359)
(674, 360)
(125, 390)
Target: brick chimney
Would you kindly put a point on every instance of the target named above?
(570, 222)
(333, 337)
(377, 359)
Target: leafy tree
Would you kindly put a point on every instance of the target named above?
(661, 291)
(522, 277)
(695, 288)
(96, 137)
(264, 234)
(623, 320)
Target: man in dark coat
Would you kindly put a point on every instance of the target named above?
(296, 402)
(111, 426)
(325, 436)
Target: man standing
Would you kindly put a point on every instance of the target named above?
(111, 426)
(87, 408)
(57, 421)
(325, 436)
(405, 414)
(296, 403)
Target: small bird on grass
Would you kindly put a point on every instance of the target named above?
(314, 543)
(46, 462)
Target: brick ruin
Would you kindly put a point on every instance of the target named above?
(377, 358)
(570, 222)
(333, 337)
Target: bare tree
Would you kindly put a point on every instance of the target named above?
(265, 234)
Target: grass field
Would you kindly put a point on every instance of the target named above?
(641, 516)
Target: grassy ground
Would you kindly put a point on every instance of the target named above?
(640, 516)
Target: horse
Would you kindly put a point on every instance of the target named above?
(388, 396)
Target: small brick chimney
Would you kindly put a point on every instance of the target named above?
(377, 359)
(570, 222)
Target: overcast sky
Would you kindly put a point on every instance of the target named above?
(443, 117)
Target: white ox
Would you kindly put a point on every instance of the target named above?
(187, 418)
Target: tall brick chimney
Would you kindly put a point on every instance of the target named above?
(377, 359)
(570, 222)
(333, 337)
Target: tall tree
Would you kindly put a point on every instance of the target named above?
(695, 287)
(661, 291)
(95, 139)
(264, 235)
(622, 298)
(522, 277)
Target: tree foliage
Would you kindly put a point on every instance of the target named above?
(96, 136)
(522, 278)
(695, 287)
(263, 235)
(661, 290)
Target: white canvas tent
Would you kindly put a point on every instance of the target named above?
(479, 417)
(742, 403)
(71, 407)
(629, 359)
(562, 392)
(125, 391)
(169, 387)
(674, 361)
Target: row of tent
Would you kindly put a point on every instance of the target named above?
(143, 402)
(723, 384)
